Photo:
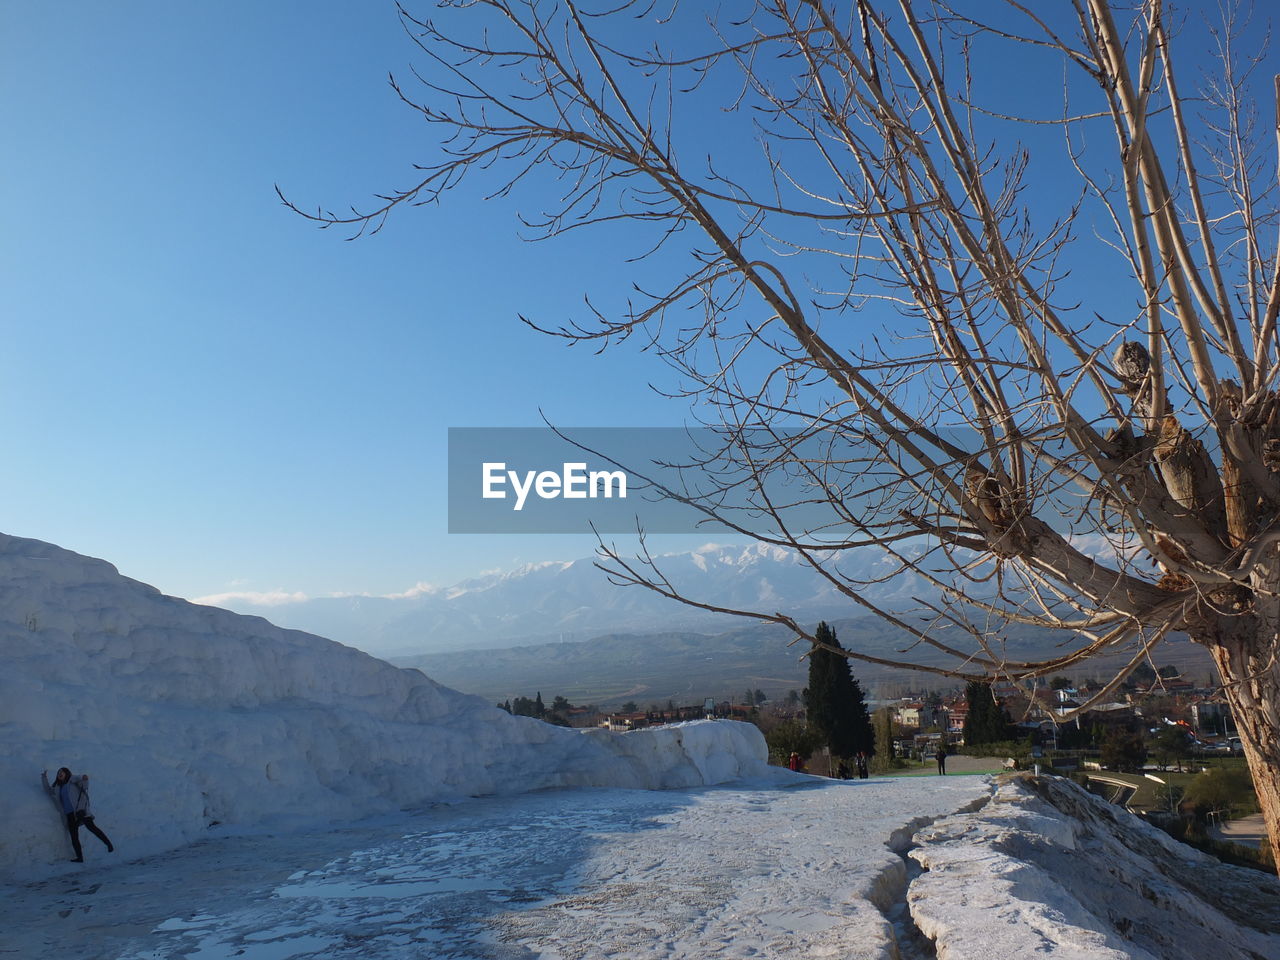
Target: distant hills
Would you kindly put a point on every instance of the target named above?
(687, 667)
(574, 600)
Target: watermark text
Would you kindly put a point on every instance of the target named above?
(573, 482)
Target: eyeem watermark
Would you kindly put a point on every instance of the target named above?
(573, 482)
(617, 480)
(539, 480)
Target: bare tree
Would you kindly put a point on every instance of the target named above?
(1022, 337)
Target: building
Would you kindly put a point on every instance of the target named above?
(1212, 716)
(956, 714)
(908, 714)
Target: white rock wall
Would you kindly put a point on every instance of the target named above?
(186, 716)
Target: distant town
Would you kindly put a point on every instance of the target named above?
(1149, 701)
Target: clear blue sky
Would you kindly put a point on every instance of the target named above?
(201, 387)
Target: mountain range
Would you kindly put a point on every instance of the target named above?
(562, 628)
(574, 600)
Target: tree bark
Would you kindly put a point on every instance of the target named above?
(1190, 476)
(1241, 500)
(1250, 673)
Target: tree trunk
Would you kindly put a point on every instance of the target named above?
(1250, 673)
(1190, 476)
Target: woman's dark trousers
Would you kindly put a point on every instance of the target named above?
(74, 822)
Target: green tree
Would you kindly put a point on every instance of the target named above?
(883, 724)
(1060, 683)
(1124, 751)
(558, 713)
(524, 707)
(837, 708)
(985, 721)
(793, 697)
(1171, 745)
(789, 736)
(1221, 791)
(630, 707)
(1169, 796)
(1143, 676)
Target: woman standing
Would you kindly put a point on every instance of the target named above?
(71, 797)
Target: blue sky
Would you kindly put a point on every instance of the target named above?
(203, 388)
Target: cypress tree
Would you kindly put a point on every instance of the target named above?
(975, 719)
(837, 708)
(985, 722)
(884, 738)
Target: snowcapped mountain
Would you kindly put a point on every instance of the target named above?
(574, 600)
(189, 717)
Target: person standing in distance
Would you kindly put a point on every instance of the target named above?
(71, 797)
